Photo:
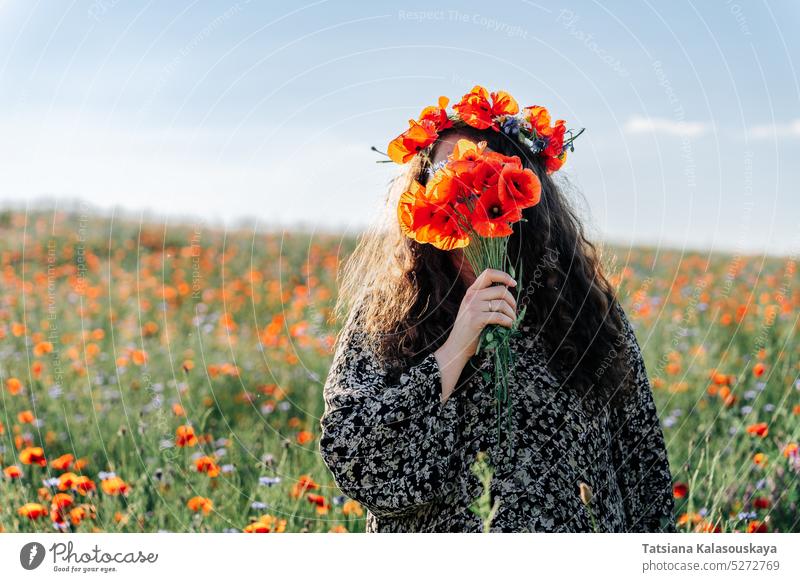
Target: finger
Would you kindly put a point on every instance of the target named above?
(496, 305)
(497, 292)
(506, 308)
(491, 276)
(497, 318)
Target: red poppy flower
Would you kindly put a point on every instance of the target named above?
(476, 109)
(680, 490)
(32, 456)
(437, 115)
(761, 503)
(760, 429)
(520, 186)
(494, 214)
(417, 137)
(428, 221)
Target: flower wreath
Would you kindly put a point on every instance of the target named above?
(482, 110)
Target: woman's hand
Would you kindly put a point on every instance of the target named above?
(483, 304)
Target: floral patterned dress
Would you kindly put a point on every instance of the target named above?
(395, 448)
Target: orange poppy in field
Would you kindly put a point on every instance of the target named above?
(185, 437)
(139, 357)
(408, 144)
(77, 515)
(689, 518)
(791, 450)
(759, 429)
(32, 511)
(14, 386)
(760, 459)
(63, 462)
(320, 502)
(478, 108)
(759, 369)
(83, 485)
(32, 456)
(266, 524)
(26, 417)
(61, 501)
(304, 436)
(114, 486)
(42, 348)
(66, 481)
(352, 507)
(303, 484)
(207, 465)
(756, 526)
(198, 503)
(12, 472)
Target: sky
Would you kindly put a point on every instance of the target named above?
(254, 111)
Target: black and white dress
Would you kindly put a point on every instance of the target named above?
(394, 447)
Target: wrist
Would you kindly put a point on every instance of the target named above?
(451, 357)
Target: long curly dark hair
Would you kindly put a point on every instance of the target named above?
(408, 294)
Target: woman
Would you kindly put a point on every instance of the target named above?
(408, 404)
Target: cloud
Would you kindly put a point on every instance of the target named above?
(638, 124)
(771, 130)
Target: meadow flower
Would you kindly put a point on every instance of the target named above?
(83, 485)
(320, 502)
(63, 462)
(61, 501)
(185, 437)
(303, 484)
(199, 503)
(352, 507)
(269, 481)
(266, 524)
(207, 465)
(14, 472)
(14, 386)
(304, 436)
(680, 490)
(758, 429)
(114, 486)
(32, 511)
(32, 456)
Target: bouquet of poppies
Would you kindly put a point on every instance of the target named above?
(473, 200)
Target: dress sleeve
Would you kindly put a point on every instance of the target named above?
(389, 445)
(640, 454)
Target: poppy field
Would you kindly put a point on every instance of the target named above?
(168, 377)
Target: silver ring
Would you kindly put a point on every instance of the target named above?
(491, 305)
